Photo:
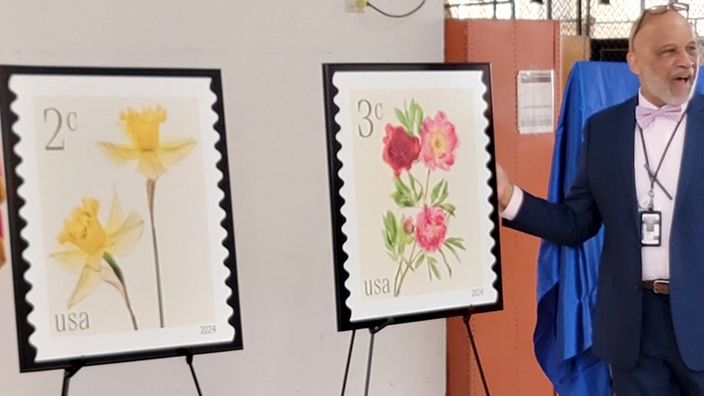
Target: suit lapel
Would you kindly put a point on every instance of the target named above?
(625, 127)
(692, 158)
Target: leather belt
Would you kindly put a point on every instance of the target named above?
(657, 286)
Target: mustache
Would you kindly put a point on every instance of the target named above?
(688, 73)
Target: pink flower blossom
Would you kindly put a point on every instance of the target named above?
(431, 228)
(400, 149)
(408, 225)
(438, 142)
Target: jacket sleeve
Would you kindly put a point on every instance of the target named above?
(569, 223)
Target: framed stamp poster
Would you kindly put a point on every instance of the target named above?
(412, 186)
(120, 217)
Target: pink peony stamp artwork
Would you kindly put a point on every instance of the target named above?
(420, 151)
(415, 226)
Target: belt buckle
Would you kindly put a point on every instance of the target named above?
(661, 286)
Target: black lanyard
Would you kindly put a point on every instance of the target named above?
(654, 176)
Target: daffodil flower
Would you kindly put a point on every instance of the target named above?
(153, 157)
(85, 243)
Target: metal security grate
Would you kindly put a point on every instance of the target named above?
(607, 22)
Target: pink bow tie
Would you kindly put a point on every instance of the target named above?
(645, 116)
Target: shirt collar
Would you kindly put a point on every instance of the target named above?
(642, 101)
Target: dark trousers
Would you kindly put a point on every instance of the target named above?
(660, 370)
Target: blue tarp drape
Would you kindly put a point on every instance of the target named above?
(567, 277)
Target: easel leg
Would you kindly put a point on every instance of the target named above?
(189, 360)
(466, 318)
(68, 373)
(347, 366)
(372, 332)
(67, 381)
(369, 361)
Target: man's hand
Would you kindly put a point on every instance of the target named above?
(504, 187)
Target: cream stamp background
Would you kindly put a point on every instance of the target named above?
(186, 211)
(368, 186)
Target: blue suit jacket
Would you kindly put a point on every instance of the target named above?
(604, 192)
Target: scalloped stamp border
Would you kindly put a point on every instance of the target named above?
(120, 214)
(411, 166)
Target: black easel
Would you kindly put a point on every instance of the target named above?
(465, 319)
(372, 332)
(189, 360)
(70, 372)
(347, 366)
(77, 365)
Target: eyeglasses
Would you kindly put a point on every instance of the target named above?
(682, 8)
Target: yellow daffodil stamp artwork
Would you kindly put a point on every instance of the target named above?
(153, 156)
(89, 248)
(106, 266)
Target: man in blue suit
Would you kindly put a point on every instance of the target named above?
(641, 176)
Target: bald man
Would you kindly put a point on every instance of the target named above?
(641, 176)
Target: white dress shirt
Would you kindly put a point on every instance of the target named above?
(655, 260)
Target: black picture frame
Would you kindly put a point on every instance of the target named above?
(372, 76)
(23, 89)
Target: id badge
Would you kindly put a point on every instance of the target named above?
(650, 229)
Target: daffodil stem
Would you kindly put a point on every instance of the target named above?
(129, 307)
(118, 273)
(151, 187)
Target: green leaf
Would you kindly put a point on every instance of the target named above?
(444, 260)
(419, 118)
(416, 186)
(456, 242)
(387, 241)
(390, 242)
(432, 263)
(403, 200)
(403, 195)
(410, 238)
(412, 117)
(436, 191)
(401, 186)
(444, 193)
(390, 224)
(403, 119)
(449, 208)
(452, 249)
(419, 260)
(401, 243)
(391, 231)
(416, 116)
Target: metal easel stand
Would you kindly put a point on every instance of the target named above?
(465, 319)
(372, 333)
(189, 360)
(70, 372)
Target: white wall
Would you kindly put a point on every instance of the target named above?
(270, 53)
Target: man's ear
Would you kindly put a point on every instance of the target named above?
(633, 63)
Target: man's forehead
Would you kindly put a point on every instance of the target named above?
(668, 18)
(664, 26)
